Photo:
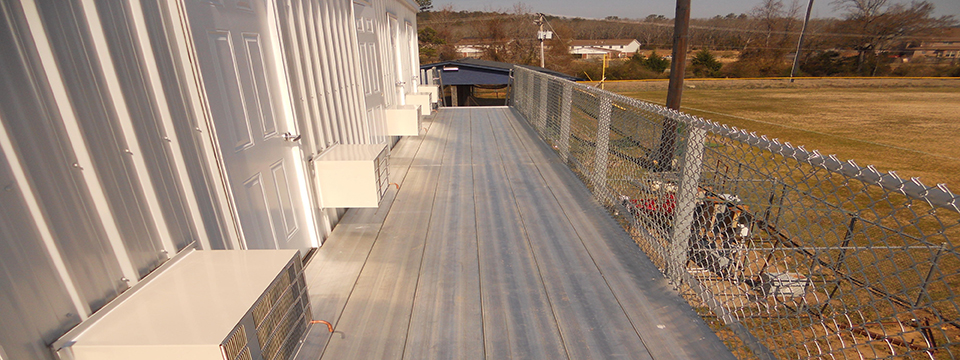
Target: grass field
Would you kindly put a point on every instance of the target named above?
(910, 126)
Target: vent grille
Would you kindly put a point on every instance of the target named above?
(290, 344)
(236, 347)
(282, 314)
(383, 173)
(245, 355)
(262, 309)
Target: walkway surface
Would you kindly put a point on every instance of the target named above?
(491, 249)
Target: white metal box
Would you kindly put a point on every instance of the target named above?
(210, 304)
(433, 90)
(352, 176)
(785, 285)
(403, 120)
(423, 100)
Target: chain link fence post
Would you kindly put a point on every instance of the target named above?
(544, 96)
(565, 104)
(686, 197)
(603, 143)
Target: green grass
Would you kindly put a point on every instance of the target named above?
(914, 131)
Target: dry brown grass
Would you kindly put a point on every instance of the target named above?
(908, 125)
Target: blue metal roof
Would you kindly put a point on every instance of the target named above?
(482, 72)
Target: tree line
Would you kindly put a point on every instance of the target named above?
(870, 38)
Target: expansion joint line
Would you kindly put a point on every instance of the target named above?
(536, 261)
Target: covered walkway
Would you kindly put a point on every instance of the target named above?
(491, 248)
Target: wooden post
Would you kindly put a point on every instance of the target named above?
(668, 137)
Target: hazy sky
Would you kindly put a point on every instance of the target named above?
(642, 8)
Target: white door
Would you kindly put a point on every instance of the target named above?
(370, 62)
(258, 143)
(394, 26)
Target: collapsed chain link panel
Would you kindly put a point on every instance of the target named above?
(787, 253)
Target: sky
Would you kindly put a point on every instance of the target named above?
(642, 8)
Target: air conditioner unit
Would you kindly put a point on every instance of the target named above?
(433, 90)
(423, 100)
(403, 120)
(352, 176)
(208, 305)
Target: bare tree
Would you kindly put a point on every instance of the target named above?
(771, 24)
(875, 27)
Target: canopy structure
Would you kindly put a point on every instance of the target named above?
(466, 73)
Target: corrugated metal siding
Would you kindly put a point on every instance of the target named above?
(184, 136)
(33, 300)
(35, 126)
(108, 162)
(145, 115)
(95, 109)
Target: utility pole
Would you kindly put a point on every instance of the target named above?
(668, 138)
(541, 36)
(803, 29)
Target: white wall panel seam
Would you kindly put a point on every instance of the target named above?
(29, 197)
(209, 146)
(358, 91)
(357, 72)
(356, 109)
(307, 80)
(330, 95)
(115, 91)
(332, 76)
(350, 31)
(323, 109)
(341, 76)
(301, 78)
(167, 122)
(77, 142)
(325, 84)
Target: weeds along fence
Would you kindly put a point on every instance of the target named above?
(785, 252)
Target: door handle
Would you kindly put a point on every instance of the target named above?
(291, 137)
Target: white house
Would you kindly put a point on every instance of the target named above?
(595, 53)
(594, 47)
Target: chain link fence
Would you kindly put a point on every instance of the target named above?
(786, 253)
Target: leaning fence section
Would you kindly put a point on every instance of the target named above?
(787, 253)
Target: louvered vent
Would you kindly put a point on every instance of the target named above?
(282, 314)
(236, 347)
(382, 170)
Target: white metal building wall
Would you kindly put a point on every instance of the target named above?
(108, 159)
(100, 163)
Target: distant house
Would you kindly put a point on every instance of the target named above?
(596, 53)
(615, 48)
(470, 51)
(474, 48)
(945, 46)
